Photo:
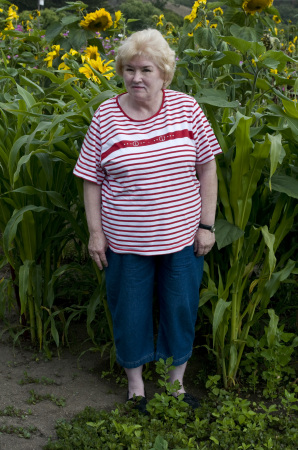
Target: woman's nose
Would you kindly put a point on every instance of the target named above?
(137, 76)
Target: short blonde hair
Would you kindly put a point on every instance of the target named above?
(151, 44)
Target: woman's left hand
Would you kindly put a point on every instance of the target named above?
(204, 241)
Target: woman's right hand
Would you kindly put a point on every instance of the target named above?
(97, 248)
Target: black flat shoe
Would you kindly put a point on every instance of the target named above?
(139, 403)
(192, 401)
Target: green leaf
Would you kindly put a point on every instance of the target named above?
(29, 99)
(275, 59)
(204, 38)
(245, 46)
(53, 31)
(276, 150)
(272, 328)
(78, 38)
(273, 284)
(269, 240)
(246, 33)
(286, 184)
(226, 233)
(229, 57)
(54, 331)
(70, 19)
(240, 167)
(220, 309)
(215, 97)
(291, 108)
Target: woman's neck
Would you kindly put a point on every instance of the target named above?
(142, 109)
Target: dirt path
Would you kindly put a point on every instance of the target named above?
(63, 377)
(79, 386)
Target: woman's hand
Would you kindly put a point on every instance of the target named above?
(97, 247)
(203, 242)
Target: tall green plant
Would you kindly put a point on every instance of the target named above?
(40, 199)
(248, 92)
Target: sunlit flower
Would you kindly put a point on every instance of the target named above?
(253, 6)
(98, 65)
(1, 10)
(218, 12)
(9, 25)
(213, 25)
(276, 19)
(34, 14)
(118, 15)
(12, 12)
(91, 52)
(291, 47)
(160, 22)
(275, 71)
(63, 66)
(52, 55)
(254, 62)
(71, 52)
(99, 20)
(199, 3)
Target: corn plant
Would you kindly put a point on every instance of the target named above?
(248, 91)
(41, 201)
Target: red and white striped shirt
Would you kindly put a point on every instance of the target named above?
(151, 200)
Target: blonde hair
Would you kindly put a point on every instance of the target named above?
(149, 43)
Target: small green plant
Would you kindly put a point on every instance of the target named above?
(36, 398)
(24, 432)
(225, 420)
(11, 411)
(270, 359)
(31, 380)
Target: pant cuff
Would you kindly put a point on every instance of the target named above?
(133, 364)
(177, 361)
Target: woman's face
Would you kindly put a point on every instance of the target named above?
(143, 79)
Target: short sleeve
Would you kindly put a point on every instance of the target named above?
(88, 165)
(205, 139)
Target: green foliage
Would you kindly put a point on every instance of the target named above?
(37, 398)
(242, 69)
(140, 12)
(271, 358)
(225, 420)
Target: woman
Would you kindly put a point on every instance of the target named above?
(150, 195)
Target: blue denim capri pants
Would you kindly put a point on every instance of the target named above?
(130, 280)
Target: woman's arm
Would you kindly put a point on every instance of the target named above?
(98, 243)
(205, 239)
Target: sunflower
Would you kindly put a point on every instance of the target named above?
(12, 12)
(291, 47)
(9, 25)
(118, 15)
(99, 65)
(276, 19)
(213, 25)
(63, 66)
(253, 6)
(99, 20)
(35, 14)
(218, 12)
(91, 52)
(52, 55)
(160, 22)
(191, 17)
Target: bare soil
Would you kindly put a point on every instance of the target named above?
(75, 379)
